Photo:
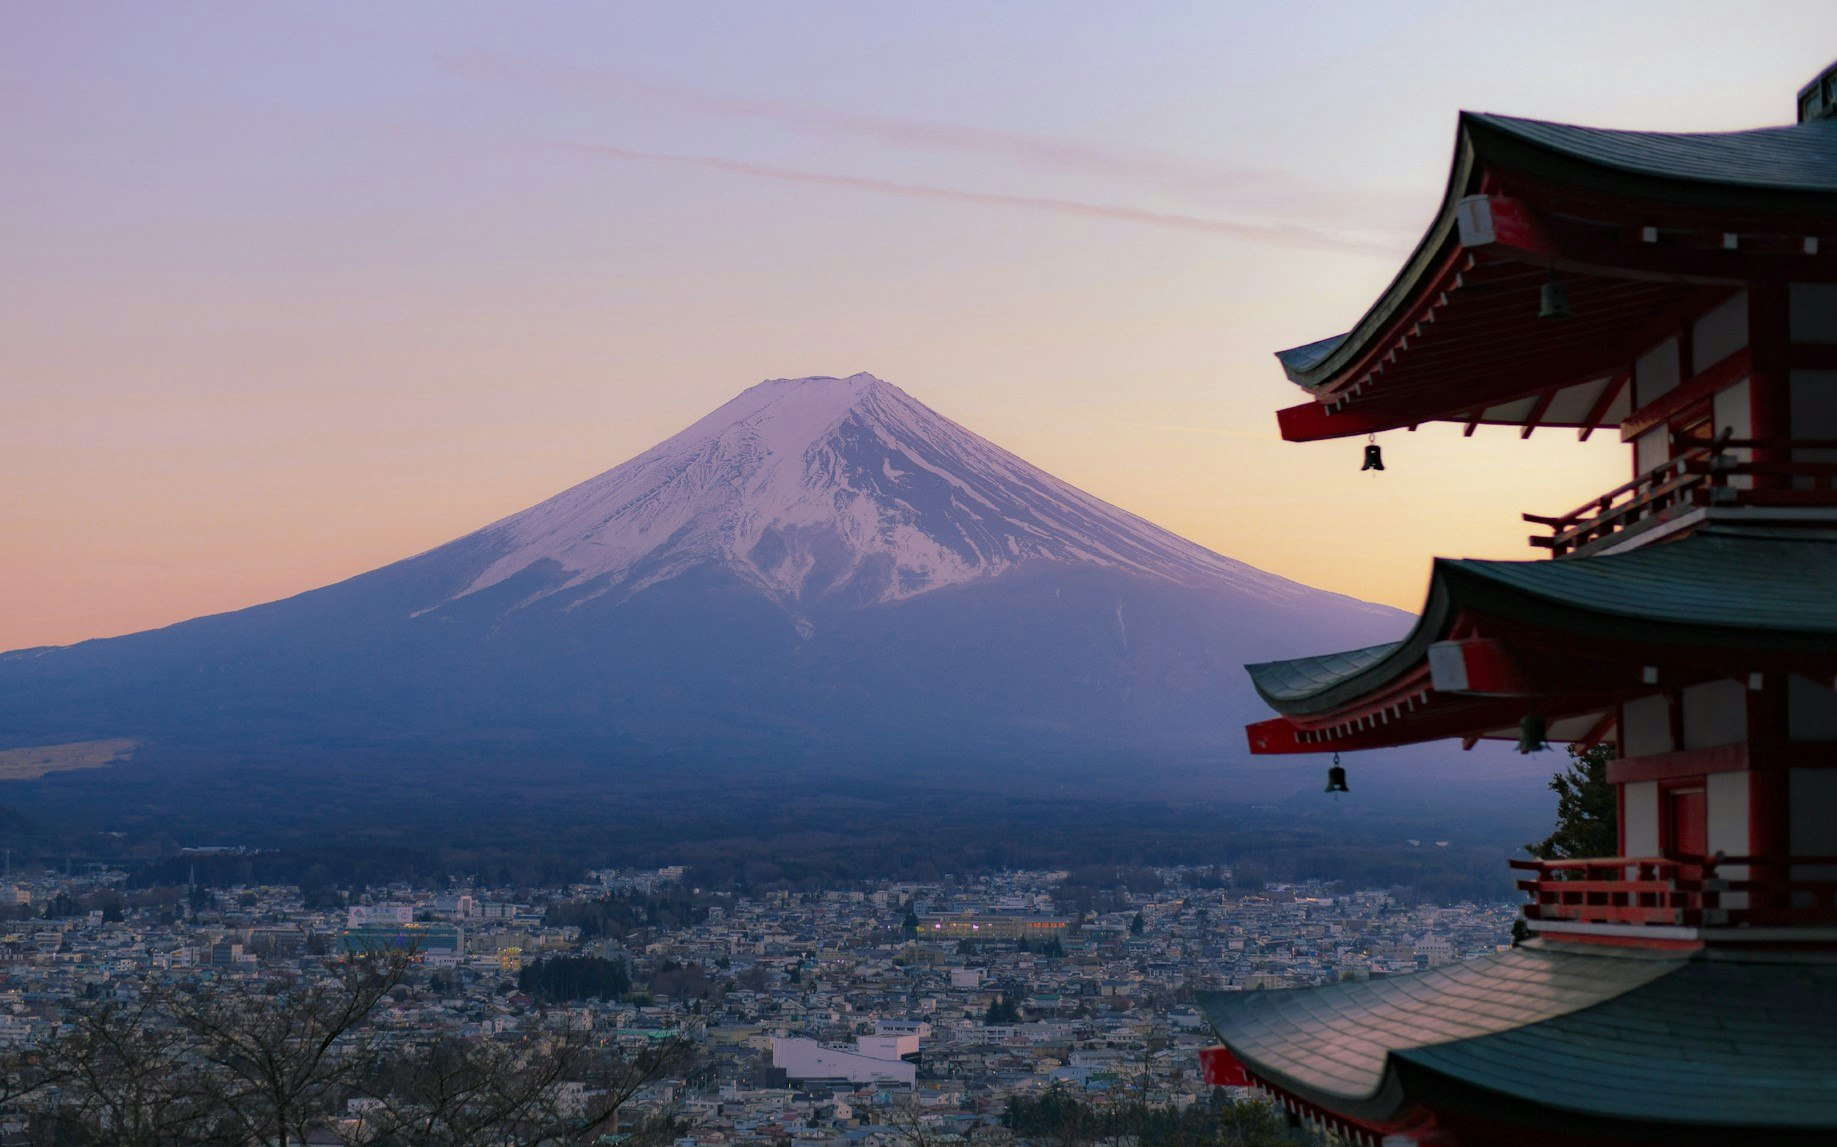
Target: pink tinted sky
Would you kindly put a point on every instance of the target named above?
(294, 291)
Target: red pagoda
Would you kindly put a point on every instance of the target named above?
(1682, 290)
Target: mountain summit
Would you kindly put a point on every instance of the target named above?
(816, 488)
(821, 566)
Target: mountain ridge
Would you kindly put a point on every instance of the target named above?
(784, 456)
(819, 565)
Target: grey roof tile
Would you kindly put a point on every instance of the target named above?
(1740, 586)
(1334, 1040)
(1793, 157)
(1737, 579)
(1661, 1040)
(1730, 1044)
(1306, 675)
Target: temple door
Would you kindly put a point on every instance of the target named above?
(1689, 822)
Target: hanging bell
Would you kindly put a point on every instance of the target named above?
(1374, 457)
(1553, 301)
(1336, 777)
(1531, 732)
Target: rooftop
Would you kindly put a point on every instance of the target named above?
(1729, 587)
(1538, 1023)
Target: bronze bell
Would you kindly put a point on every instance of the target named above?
(1374, 457)
(1531, 733)
(1553, 301)
(1336, 777)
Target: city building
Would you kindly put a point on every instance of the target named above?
(875, 1060)
(424, 939)
(1006, 926)
(1104, 1016)
(1680, 289)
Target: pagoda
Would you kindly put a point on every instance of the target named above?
(1680, 289)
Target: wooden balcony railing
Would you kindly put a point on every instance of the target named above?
(1726, 472)
(1680, 891)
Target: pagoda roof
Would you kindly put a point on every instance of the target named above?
(1793, 157)
(1304, 677)
(1612, 1035)
(1332, 1046)
(1722, 587)
(1786, 164)
(1634, 222)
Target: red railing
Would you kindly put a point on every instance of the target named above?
(1682, 891)
(1727, 472)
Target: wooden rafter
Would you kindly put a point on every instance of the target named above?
(1605, 402)
(1537, 412)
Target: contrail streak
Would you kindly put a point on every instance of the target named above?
(1274, 234)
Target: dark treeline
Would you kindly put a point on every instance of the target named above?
(1103, 887)
(671, 980)
(358, 866)
(1106, 876)
(328, 877)
(567, 979)
(835, 834)
(1466, 871)
(619, 914)
(1060, 1117)
(1424, 872)
(561, 979)
(113, 905)
(1002, 1010)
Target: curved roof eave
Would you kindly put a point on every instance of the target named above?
(1792, 168)
(1788, 168)
(1309, 369)
(1724, 587)
(1332, 1046)
(1365, 671)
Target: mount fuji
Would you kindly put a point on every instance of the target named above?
(822, 567)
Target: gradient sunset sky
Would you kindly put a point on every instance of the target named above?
(293, 291)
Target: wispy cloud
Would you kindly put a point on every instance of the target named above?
(1274, 234)
(1035, 151)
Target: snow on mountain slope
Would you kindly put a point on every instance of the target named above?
(808, 487)
(761, 583)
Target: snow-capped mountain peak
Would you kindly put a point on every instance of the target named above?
(823, 568)
(811, 487)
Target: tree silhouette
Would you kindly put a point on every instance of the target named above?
(1002, 1010)
(1586, 809)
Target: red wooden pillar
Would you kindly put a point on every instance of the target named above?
(1769, 781)
(1769, 397)
(1769, 795)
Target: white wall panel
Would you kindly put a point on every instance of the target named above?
(1720, 333)
(1813, 312)
(1715, 713)
(1641, 799)
(1811, 710)
(1655, 373)
(1726, 794)
(1645, 726)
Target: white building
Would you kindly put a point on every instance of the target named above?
(808, 1059)
(362, 914)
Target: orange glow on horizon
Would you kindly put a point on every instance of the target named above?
(263, 332)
